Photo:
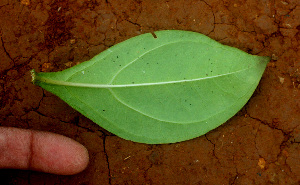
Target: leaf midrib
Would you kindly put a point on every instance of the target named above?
(105, 86)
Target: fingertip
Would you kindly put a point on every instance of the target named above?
(80, 161)
(57, 154)
(78, 156)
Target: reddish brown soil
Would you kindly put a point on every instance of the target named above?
(260, 145)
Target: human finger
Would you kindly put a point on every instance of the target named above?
(41, 151)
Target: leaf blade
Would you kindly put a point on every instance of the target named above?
(160, 90)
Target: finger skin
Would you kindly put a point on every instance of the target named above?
(41, 151)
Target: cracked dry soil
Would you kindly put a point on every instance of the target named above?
(259, 145)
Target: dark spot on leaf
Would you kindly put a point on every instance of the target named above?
(132, 82)
(206, 74)
(117, 56)
(190, 104)
(210, 71)
(103, 110)
(147, 62)
(120, 65)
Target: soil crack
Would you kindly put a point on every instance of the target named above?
(214, 152)
(6, 52)
(106, 156)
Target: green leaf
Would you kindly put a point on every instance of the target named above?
(167, 89)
